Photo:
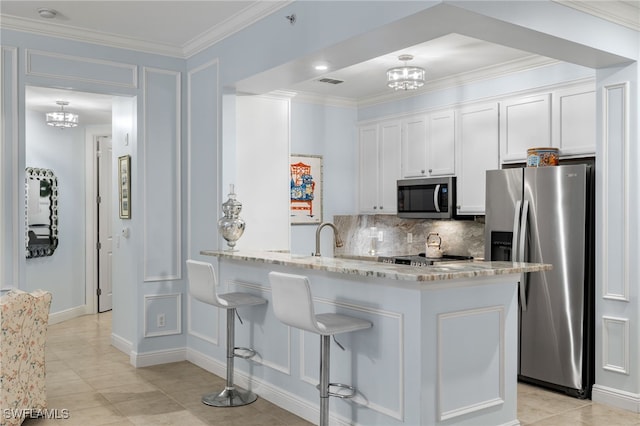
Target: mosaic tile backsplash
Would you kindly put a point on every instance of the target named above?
(459, 237)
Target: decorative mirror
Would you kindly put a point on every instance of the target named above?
(41, 212)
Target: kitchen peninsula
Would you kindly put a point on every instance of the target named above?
(442, 349)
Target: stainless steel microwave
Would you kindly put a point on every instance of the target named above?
(427, 198)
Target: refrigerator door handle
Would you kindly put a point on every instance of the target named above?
(436, 194)
(516, 229)
(521, 249)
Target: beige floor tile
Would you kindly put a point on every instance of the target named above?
(97, 384)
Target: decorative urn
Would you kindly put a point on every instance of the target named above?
(231, 226)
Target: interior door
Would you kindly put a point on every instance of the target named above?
(105, 234)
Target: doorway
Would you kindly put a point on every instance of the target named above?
(85, 286)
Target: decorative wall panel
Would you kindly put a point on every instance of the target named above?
(615, 164)
(615, 344)
(161, 171)
(56, 65)
(471, 371)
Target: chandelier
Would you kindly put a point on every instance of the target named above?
(405, 77)
(62, 118)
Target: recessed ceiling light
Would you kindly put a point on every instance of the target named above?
(321, 67)
(47, 13)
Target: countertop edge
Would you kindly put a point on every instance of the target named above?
(369, 268)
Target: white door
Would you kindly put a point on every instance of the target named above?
(105, 234)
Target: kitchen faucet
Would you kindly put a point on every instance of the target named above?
(336, 237)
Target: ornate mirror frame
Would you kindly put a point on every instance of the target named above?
(41, 212)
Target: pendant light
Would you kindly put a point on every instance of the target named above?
(405, 77)
(62, 119)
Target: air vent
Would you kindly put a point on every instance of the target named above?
(330, 81)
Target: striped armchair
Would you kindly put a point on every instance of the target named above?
(23, 327)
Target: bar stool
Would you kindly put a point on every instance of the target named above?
(203, 286)
(293, 306)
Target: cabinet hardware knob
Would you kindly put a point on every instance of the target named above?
(375, 207)
(422, 171)
(381, 207)
(430, 170)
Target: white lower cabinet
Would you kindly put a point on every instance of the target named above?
(478, 151)
(379, 167)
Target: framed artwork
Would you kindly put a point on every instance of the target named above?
(124, 181)
(306, 189)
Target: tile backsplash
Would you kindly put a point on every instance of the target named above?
(459, 237)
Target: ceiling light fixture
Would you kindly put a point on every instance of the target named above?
(62, 118)
(405, 78)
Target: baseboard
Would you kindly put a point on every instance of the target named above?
(283, 399)
(122, 344)
(78, 311)
(147, 359)
(616, 398)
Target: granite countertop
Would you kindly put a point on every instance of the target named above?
(370, 268)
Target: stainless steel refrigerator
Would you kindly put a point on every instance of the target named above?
(546, 215)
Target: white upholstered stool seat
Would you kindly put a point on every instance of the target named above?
(203, 287)
(293, 306)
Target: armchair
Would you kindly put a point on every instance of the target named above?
(23, 327)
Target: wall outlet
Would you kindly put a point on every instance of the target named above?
(409, 237)
(161, 321)
(380, 236)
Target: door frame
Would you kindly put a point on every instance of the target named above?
(91, 215)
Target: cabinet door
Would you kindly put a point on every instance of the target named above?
(574, 120)
(478, 151)
(368, 169)
(524, 123)
(414, 147)
(389, 151)
(441, 154)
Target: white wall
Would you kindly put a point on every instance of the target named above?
(62, 151)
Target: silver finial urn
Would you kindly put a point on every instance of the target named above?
(231, 226)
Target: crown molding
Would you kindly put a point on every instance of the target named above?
(241, 20)
(53, 29)
(238, 22)
(626, 13)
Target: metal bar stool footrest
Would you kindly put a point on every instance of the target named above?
(251, 352)
(351, 389)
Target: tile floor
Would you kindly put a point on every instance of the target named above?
(98, 386)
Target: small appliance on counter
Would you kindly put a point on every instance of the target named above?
(432, 246)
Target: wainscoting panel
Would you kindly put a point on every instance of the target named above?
(161, 194)
(615, 165)
(162, 314)
(471, 370)
(615, 344)
(203, 204)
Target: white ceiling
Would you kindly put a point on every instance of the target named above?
(182, 28)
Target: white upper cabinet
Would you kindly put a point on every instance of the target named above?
(524, 123)
(478, 150)
(414, 146)
(441, 154)
(379, 167)
(428, 145)
(574, 120)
